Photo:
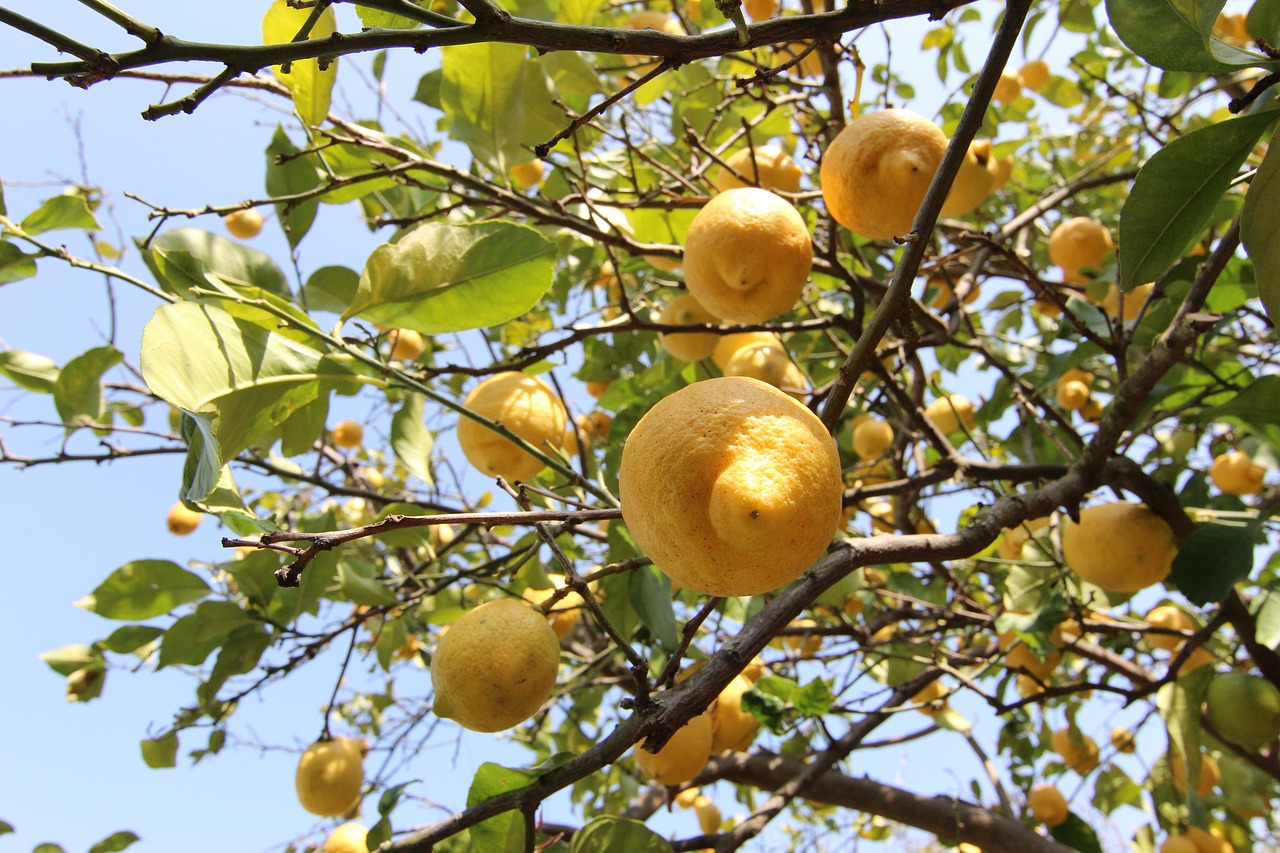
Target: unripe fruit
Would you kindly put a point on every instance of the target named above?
(1244, 709)
(347, 434)
(244, 224)
(181, 520)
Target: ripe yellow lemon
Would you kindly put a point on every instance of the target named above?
(1210, 774)
(1236, 474)
(974, 182)
(1047, 805)
(876, 171)
(347, 434)
(931, 699)
(1133, 301)
(1244, 709)
(804, 645)
(708, 813)
(1078, 243)
(688, 798)
(496, 666)
(597, 388)
(528, 175)
(1179, 844)
(682, 758)
(731, 486)
(687, 346)
(766, 166)
(564, 613)
(1072, 394)
(730, 344)
(1119, 546)
(349, 837)
(1019, 656)
(768, 362)
(947, 413)
(1010, 547)
(732, 728)
(1081, 756)
(1168, 616)
(760, 10)
(525, 405)
(181, 520)
(1034, 74)
(871, 437)
(406, 344)
(245, 224)
(1008, 88)
(747, 255)
(329, 776)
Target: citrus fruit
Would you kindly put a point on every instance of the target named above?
(181, 520)
(730, 486)
(1079, 753)
(406, 344)
(347, 434)
(1208, 842)
(683, 756)
(1018, 655)
(1236, 474)
(687, 346)
(876, 171)
(747, 255)
(244, 224)
(938, 292)
(564, 613)
(1071, 395)
(1168, 616)
(806, 644)
(597, 388)
(708, 813)
(528, 175)
(1123, 740)
(1244, 709)
(760, 10)
(732, 728)
(947, 413)
(688, 798)
(1119, 546)
(766, 166)
(1010, 547)
(496, 666)
(1008, 88)
(932, 699)
(768, 362)
(329, 776)
(1209, 773)
(649, 19)
(1034, 74)
(349, 837)
(523, 404)
(1079, 243)
(1047, 805)
(729, 344)
(1179, 844)
(974, 182)
(1133, 301)
(871, 437)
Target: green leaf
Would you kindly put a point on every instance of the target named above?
(161, 752)
(503, 833)
(29, 371)
(69, 659)
(290, 174)
(193, 638)
(5, 826)
(767, 701)
(1256, 407)
(130, 638)
(1212, 560)
(248, 380)
(77, 392)
(203, 466)
(1176, 192)
(1264, 20)
(330, 289)
(814, 699)
(60, 213)
(1260, 229)
(608, 834)
(1076, 834)
(1179, 703)
(651, 597)
(144, 588)
(410, 438)
(447, 278)
(210, 253)
(239, 655)
(1113, 789)
(115, 842)
(14, 264)
(1266, 613)
(310, 85)
(48, 847)
(370, 18)
(225, 502)
(1174, 34)
(358, 584)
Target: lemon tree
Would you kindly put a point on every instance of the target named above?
(718, 409)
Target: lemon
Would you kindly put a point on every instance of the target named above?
(876, 171)
(732, 728)
(329, 776)
(528, 175)
(938, 293)
(747, 255)
(1236, 474)
(949, 412)
(1120, 547)
(872, 437)
(182, 521)
(1168, 616)
(730, 344)
(1018, 655)
(1010, 546)
(1208, 842)
(1071, 395)
(760, 10)
(682, 758)
(1080, 755)
(731, 486)
(1179, 844)
(1008, 88)
(347, 434)
(974, 182)
(1244, 709)
(649, 19)
(1210, 774)
(1079, 243)
(768, 362)
(496, 666)
(1047, 805)
(349, 837)
(597, 388)
(1133, 301)
(804, 645)
(1034, 74)
(931, 699)
(1123, 740)
(564, 613)
(244, 224)
(525, 405)
(708, 813)
(688, 798)
(687, 346)
(766, 166)
(406, 344)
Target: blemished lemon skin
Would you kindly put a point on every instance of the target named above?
(349, 837)
(1118, 546)
(682, 758)
(495, 666)
(182, 521)
(523, 404)
(329, 776)
(1236, 474)
(766, 166)
(687, 346)
(747, 255)
(769, 362)
(1047, 805)
(876, 171)
(731, 487)
(1078, 243)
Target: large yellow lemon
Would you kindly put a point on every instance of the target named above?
(731, 486)
(495, 666)
(747, 255)
(682, 758)
(1121, 547)
(523, 404)
(329, 776)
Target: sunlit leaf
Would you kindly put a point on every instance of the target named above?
(609, 834)
(115, 842)
(144, 588)
(360, 586)
(232, 262)
(161, 752)
(309, 83)
(60, 213)
(503, 833)
(410, 438)
(1260, 230)
(1266, 613)
(192, 638)
(1174, 34)
(289, 174)
(29, 371)
(130, 638)
(330, 289)
(77, 392)
(14, 264)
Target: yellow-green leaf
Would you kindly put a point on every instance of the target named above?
(1260, 230)
(310, 85)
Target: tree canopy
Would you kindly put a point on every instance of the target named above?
(1079, 314)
